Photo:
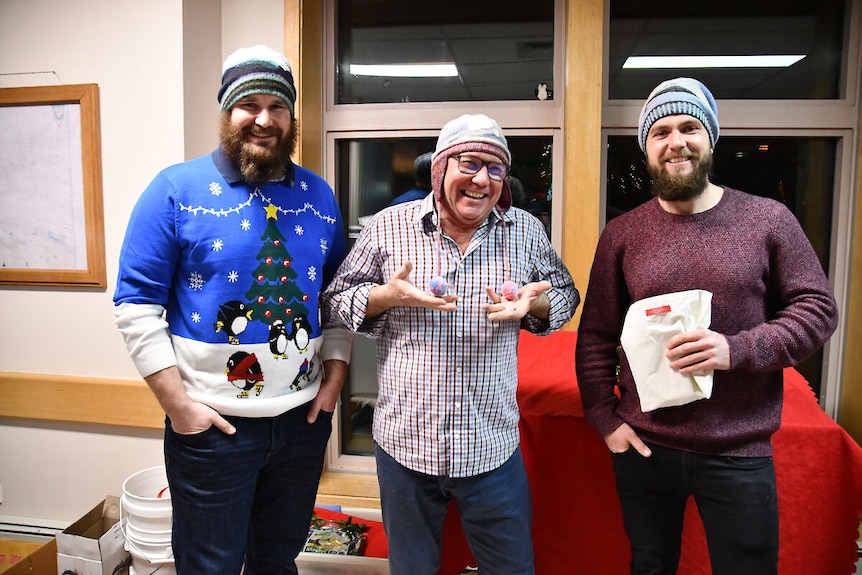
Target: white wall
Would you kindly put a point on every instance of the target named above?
(137, 52)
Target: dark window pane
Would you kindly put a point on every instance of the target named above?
(798, 172)
(502, 50)
(730, 28)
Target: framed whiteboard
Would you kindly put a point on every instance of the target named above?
(51, 220)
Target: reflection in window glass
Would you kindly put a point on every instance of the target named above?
(501, 50)
(370, 173)
(731, 28)
(798, 172)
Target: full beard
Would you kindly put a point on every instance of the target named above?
(676, 188)
(258, 164)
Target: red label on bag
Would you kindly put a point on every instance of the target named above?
(658, 310)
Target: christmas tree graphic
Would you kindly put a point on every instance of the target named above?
(274, 294)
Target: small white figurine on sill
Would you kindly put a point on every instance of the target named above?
(543, 93)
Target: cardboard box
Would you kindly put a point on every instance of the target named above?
(42, 561)
(13, 551)
(94, 544)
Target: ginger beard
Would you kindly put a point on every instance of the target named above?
(681, 187)
(257, 164)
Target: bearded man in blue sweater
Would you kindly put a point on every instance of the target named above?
(217, 298)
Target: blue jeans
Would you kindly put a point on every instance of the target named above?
(735, 496)
(494, 508)
(245, 498)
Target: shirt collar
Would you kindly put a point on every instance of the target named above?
(232, 174)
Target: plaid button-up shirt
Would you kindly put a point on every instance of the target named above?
(447, 380)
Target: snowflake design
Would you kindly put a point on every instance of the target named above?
(299, 230)
(304, 185)
(218, 244)
(215, 188)
(312, 273)
(233, 276)
(245, 225)
(196, 281)
(196, 317)
(324, 245)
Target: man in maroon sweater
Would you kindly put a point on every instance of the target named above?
(772, 306)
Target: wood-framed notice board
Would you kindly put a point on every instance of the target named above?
(51, 220)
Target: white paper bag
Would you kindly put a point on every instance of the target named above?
(648, 326)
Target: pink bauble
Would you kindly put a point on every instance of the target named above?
(509, 290)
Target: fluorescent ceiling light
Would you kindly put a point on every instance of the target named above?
(438, 70)
(777, 61)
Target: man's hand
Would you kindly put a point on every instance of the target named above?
(698, 350)
(530, 299)
(335, 372)
(187, 416)
(400, 292)
(624, 437)
(198, 417)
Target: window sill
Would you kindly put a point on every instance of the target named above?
(349, 490)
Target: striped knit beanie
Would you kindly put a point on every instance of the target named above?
(679, 96)
(469, 133)
(256, 70)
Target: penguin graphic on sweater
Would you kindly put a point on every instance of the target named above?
(300, 332)
(245, 373)
(233, 318)
(278, 339)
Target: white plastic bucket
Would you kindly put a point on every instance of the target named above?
(145, 515)
(150, 569)
(146, 503)
(149, 557)
(150, 562)
(146, 536)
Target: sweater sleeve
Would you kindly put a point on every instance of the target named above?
(804, 313)
(149, 254)
(145, 331)
(596, 355)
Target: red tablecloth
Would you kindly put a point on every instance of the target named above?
(577, 523)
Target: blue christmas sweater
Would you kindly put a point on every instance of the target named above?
(221, 278)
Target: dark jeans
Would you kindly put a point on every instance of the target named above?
(494, 508)
(245, 498)
(735, 496)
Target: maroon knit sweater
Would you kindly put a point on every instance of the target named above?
(771, 300)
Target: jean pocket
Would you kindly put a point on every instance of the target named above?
(748, 462)
(199, 439)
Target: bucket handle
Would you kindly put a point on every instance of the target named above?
(167, 558)
(130, 544)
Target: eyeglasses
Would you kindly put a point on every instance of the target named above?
(471, 165)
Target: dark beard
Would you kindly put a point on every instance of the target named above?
(671, 188)
(256, 163)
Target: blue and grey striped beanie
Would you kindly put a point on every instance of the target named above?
(679, 96)
(256, 70)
